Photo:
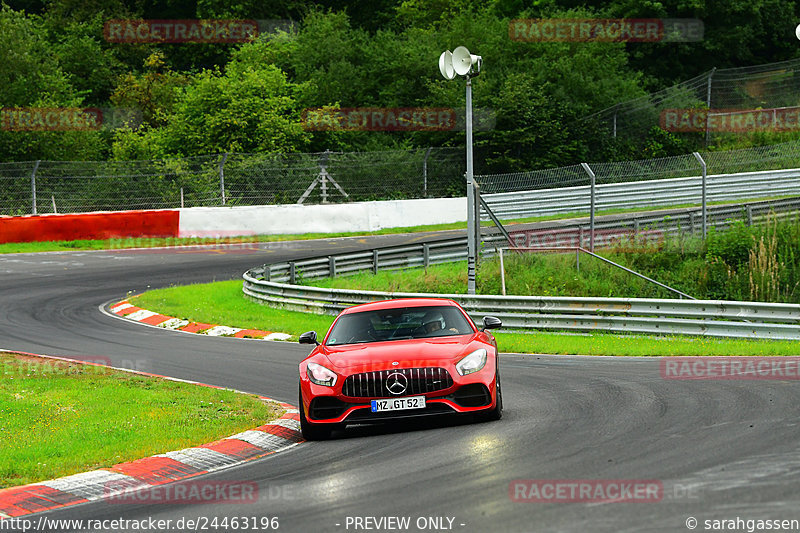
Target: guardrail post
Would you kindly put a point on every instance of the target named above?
(374, 261)
(332, 265)
(292, 273)
(749, 214)
(266, 272)
(591, 204)
(704, 190)
(580, 237)
(502, 272)
(636, 227)
(426, 254)
(33, 186)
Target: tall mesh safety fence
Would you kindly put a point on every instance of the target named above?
(262, 179)
(768, 86)
(232, 179)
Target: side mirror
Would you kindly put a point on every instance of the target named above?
(309, 337)
(490, 322)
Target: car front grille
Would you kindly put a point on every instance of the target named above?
(417, 381)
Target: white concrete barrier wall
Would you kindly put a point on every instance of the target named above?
(330, 218)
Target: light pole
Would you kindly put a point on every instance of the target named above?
(461, 62)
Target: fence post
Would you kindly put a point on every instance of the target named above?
(591, 204)
(222, 176)
(374, 261)
(708, 104)
(704, 190)
(292, 273)
(332, 265)
(425, 172)
(426, 254)
(33, 186)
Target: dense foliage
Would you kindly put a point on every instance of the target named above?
(203, 98)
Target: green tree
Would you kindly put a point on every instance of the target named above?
(32, 77)
(248, 108)
(153, 93)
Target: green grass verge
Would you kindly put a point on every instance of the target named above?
(223, 303)
(635, 345)
(59, 418)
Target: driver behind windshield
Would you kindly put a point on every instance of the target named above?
(398, 324)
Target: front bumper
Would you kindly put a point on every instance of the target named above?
(459, 399)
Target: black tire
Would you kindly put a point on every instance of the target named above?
(311, 431)
(497, 412)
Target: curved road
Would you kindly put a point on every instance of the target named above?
(721, 449)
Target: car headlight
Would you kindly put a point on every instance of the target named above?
(320, 375)
(472, 363)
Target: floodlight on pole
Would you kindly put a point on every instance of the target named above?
(461, 62)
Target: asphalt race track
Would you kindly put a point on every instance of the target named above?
(721, 449)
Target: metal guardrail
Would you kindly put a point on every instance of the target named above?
(651, 226)
(711, 318)
(642, 194)
(276, 284)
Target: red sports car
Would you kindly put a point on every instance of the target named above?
(399, 359)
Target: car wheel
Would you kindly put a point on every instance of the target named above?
(311, 431)
(497, 412)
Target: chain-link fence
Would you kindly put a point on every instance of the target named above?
(737, 175)
(229, 179)
(260, 179)
(772, 157)
(768, 86)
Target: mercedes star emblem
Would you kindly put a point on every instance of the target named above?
(396, 383)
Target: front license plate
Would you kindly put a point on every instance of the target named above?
(398, 404)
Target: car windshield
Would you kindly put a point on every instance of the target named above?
(399, 323)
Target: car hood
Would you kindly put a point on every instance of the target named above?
(412, 353)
